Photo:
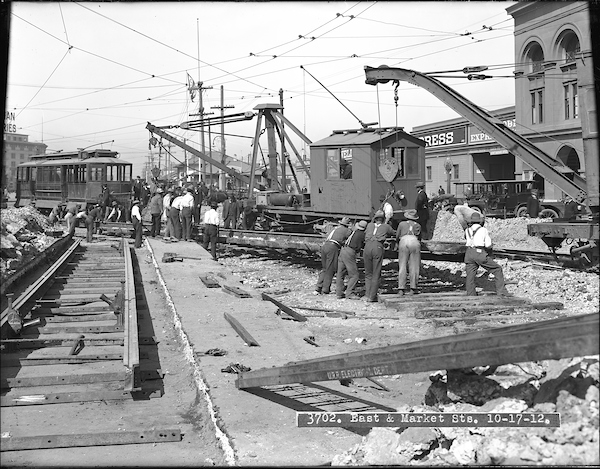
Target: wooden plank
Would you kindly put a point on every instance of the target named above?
(465, 312)
(10, 383)
(10, 361)
(132, 437)
(482, 317)
(235, 291)
(241, 331)
(554, 339)
(66, 397)
(209, 281)
(21, 344)
(286, 309)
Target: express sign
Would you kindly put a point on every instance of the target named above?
(451, 137)
(477, 136)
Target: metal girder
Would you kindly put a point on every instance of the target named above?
(131, 354)
(545, 165)
(545, 340)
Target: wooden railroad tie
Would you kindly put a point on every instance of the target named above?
(286, 309)
(545, 340)
(241, 331)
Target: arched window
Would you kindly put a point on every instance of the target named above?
(535, 58)
(568, 155)
(569, 46)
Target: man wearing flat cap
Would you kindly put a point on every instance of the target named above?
(422, 206)
(329, 256)
(375, 234)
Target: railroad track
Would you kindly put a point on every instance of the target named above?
(431, 250)
(71, 337)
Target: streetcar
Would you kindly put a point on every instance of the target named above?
(74, 178)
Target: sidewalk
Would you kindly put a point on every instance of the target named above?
(253, 428)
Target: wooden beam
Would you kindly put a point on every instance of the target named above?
(286, 309)
(21, 443)
(545, 340)
(241, 331)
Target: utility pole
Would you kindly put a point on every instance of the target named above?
(222, 107)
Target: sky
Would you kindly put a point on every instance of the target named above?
(86, 74)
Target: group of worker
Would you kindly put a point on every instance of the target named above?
(343, 244)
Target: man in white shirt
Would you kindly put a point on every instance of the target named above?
(211, 229)
(187, 207)
(136, 218)
(479, 244)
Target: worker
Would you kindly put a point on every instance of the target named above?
(165, 215)
(156, 209)
(175, 214)
(70, 221)
(409, 252)
(55, 214)
(533, 204)
(479, 247)
(463, 214)
(572, 208)
(249, 215)
(347, 262)
(136, 218)
(187, 207)
(441, 191)
(115, 213)
(329, 255)
(422, 207)
(230, 212)
(211, 229)
(375, 234)
(388, 210)
(92, 220)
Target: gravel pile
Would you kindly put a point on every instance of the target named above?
(22, 237)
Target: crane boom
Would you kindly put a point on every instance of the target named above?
(199, 154)
(549, 168)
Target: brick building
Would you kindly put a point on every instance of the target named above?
(17, 149)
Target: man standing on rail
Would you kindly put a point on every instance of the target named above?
(409, 252)
(91, 221)
(479, 246)
(375, 234)
(156, 208)
(347, 262)
(533, 204)
(174, 214)
(230, 212)
(422, 207)
(187, 207)
(211, 229)
(136, 218)
(329, 256)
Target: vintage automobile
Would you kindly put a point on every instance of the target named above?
(505, 198)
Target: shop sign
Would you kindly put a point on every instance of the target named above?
(442, 139)
(476, 136)
(10, 125)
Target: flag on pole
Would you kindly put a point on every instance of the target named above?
(191, 87)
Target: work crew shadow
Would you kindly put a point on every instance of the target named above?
(431, 280)
(311, 397)
(151, 373)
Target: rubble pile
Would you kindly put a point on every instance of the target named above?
(568, 387)
(22, 237)
(508, 233)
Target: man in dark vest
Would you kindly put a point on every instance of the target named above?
(422, 207)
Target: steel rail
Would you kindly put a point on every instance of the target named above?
(131, 353)
(35, 287)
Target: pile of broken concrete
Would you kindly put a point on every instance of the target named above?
(568, 387)
(23, 236)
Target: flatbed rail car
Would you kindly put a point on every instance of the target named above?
(75, 178)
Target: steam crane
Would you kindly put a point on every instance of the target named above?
(587, 191)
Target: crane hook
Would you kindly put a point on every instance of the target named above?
(397, 84)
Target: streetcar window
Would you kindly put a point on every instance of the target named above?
(346, 163)
(81, 174)
(70, 173)
(398, 154)
(95, 173)
(333, 164)
(31, 173)
(128, 172)
(111, 173)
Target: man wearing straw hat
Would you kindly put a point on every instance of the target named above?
(409, 252)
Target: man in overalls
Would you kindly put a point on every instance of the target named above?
(479, 245)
